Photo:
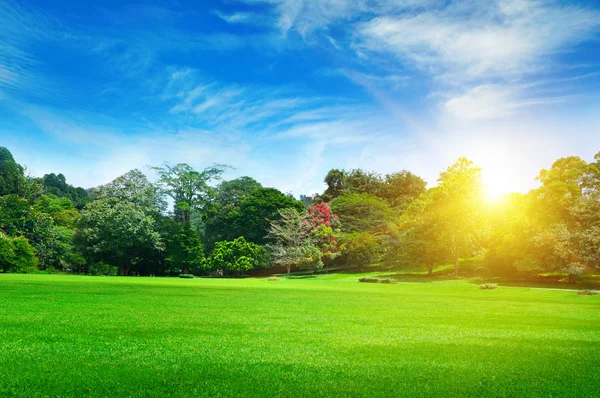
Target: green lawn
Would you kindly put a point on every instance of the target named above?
(67, 336)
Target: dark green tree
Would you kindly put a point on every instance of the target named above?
(12, 175)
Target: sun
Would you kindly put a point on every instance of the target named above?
(497, 185)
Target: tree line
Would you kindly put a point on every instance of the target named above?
(193, 222)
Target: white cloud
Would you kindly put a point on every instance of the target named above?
(481, 38)
(492, 101)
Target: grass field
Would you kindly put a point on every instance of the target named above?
(66, 336)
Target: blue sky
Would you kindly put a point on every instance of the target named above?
(284, 90)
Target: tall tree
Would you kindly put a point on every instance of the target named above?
(12, 175)
(190, 189)
(258, 210)
(117, 233)
(134, 187)
(220, 222)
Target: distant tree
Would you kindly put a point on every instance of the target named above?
(190, 189)
(260, 208)
(117, 233)
(310, 258)
(56, 185)
(237, 256)
(362, 249)
(134, 187)
(6, 252)
(361, 212)
(326, 231)
(184, 249)
(12, 175)
(457, 205)
(291, 238)
(220, 223)
(402, 188)
(336, 183)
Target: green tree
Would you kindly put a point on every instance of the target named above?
(190, 189)
(221, 222)
(134, 187)
(260, 208)
(117, 233)
(12, 175)
(402, 188)
(458, 206)
(361, 212)
(184, 249)
(237, 256)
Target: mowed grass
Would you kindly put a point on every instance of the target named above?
(75, 336)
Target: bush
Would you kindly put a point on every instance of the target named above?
(368, 280)
(488, 286)
(186, 276)
(386, 281)
(587, 292)
(273, 278)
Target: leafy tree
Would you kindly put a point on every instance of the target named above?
(221, 223)
(362, 249)
(291, 238)
(184, 249)
(56, 185)
(117, 233)
(6, 253)
(12, 175)
(237, 256)
(23, 256)
(260, 208)
(310, 258)
(402, 188)
(16, 255)
(326, 231)
(361, 212)
(189, 188)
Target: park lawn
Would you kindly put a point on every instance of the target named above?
(67, 336)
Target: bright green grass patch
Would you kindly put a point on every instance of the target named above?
(73, 336)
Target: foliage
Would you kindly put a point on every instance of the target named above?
(184, 249)
(258, 210)
(53, 184)
(16, 255)
(190, 189)
(222, 222)
(361, 212)
(273, 278)
(12, 175)
(103, 269)
(186, 276)
(291, 240)
(117, 233)
(488, 286)
(362, 249)
(134, 187)
(237, 256)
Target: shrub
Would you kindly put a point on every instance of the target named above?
(368, 280)
(587, 292)
(273, 278)
(387, 281)
(488, 286)
(186, 276)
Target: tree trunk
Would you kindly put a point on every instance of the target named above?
(430, 269)
(289, 268)
(186, 269)
(456, 265)
(571, 278)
